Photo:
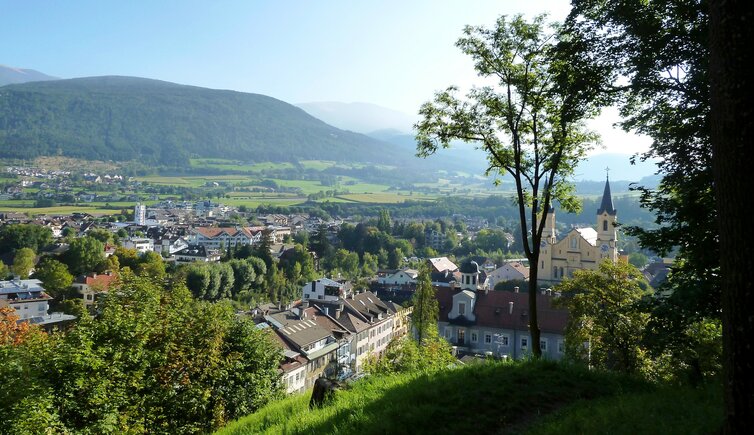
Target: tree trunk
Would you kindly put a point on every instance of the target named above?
(731, 54)
(533, 319)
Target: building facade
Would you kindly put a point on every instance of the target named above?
(581, 248)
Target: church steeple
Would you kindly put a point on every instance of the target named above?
(607, 201)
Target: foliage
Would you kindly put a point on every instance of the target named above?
(404, 354)
(23, 262)
(55, 277)
(530, 123)
(153, 361)
(426, 309)
(17, 236)
(605, 321)
(125, 118)
(638, 259)
(84, 255)
(656, 57)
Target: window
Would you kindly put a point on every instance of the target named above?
(448, 332)
(306, 295)
(461, 308)
(554, 271)
(543, 345)
(604, 225)
(561, 346)
(574, 243)
(488, 338)
(504, 340)
(524, 342)
(474, 337)
(561, 272)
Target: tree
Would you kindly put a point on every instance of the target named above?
(151, 264)
(604, 312)
(100, 234)
(530, 123)
(4, 271)
(384, 223)
(17, 236)
(732, 134)
(638, 260)
(23, 262)
(84, 255)
(655, 58)
(426, 309)
(54, 276)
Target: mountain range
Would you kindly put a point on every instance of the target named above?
(156, 122)
(129, 118)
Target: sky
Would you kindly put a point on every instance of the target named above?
(392, 53)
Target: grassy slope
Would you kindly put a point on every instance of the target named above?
(495, 398)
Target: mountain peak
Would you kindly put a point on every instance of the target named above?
(10, 75)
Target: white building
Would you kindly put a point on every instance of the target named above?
(513, 271)
(140, 244)
(140, 214)
(400, 277)
(30, 301)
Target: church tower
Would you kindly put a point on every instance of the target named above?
(607, 230)
(548, 232)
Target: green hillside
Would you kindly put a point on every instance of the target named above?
(529, 397)
(156, 122)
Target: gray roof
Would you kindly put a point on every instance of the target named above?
(300, 332)
(607, 201)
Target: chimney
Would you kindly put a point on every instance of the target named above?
(510, 307)
(338, 311)
(515, 289)
(305, 303)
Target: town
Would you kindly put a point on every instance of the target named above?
(395, 217)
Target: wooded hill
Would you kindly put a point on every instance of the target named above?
(156, 122)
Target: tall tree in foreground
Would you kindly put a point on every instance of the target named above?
(656, 56)
(529, 122)
(424, 316)
(732, 91)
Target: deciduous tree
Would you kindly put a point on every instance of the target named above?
(604, 313)
(529, 119)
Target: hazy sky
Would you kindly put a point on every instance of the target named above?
(388, 52)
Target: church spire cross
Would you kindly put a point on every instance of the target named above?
(607, 172)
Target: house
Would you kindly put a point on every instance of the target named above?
(480, 321)
(310, 340)
(441, 264)
(193, 253)
(223, 238)
(140, 244)
(92, 285)
(400, 277)
(511, 271)
(369, 320)
(31, 302)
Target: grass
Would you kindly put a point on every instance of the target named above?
(677, 410)
(487, 398)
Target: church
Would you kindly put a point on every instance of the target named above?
(581, 248)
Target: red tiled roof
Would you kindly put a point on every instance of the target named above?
(493, 310)
(101, 281)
